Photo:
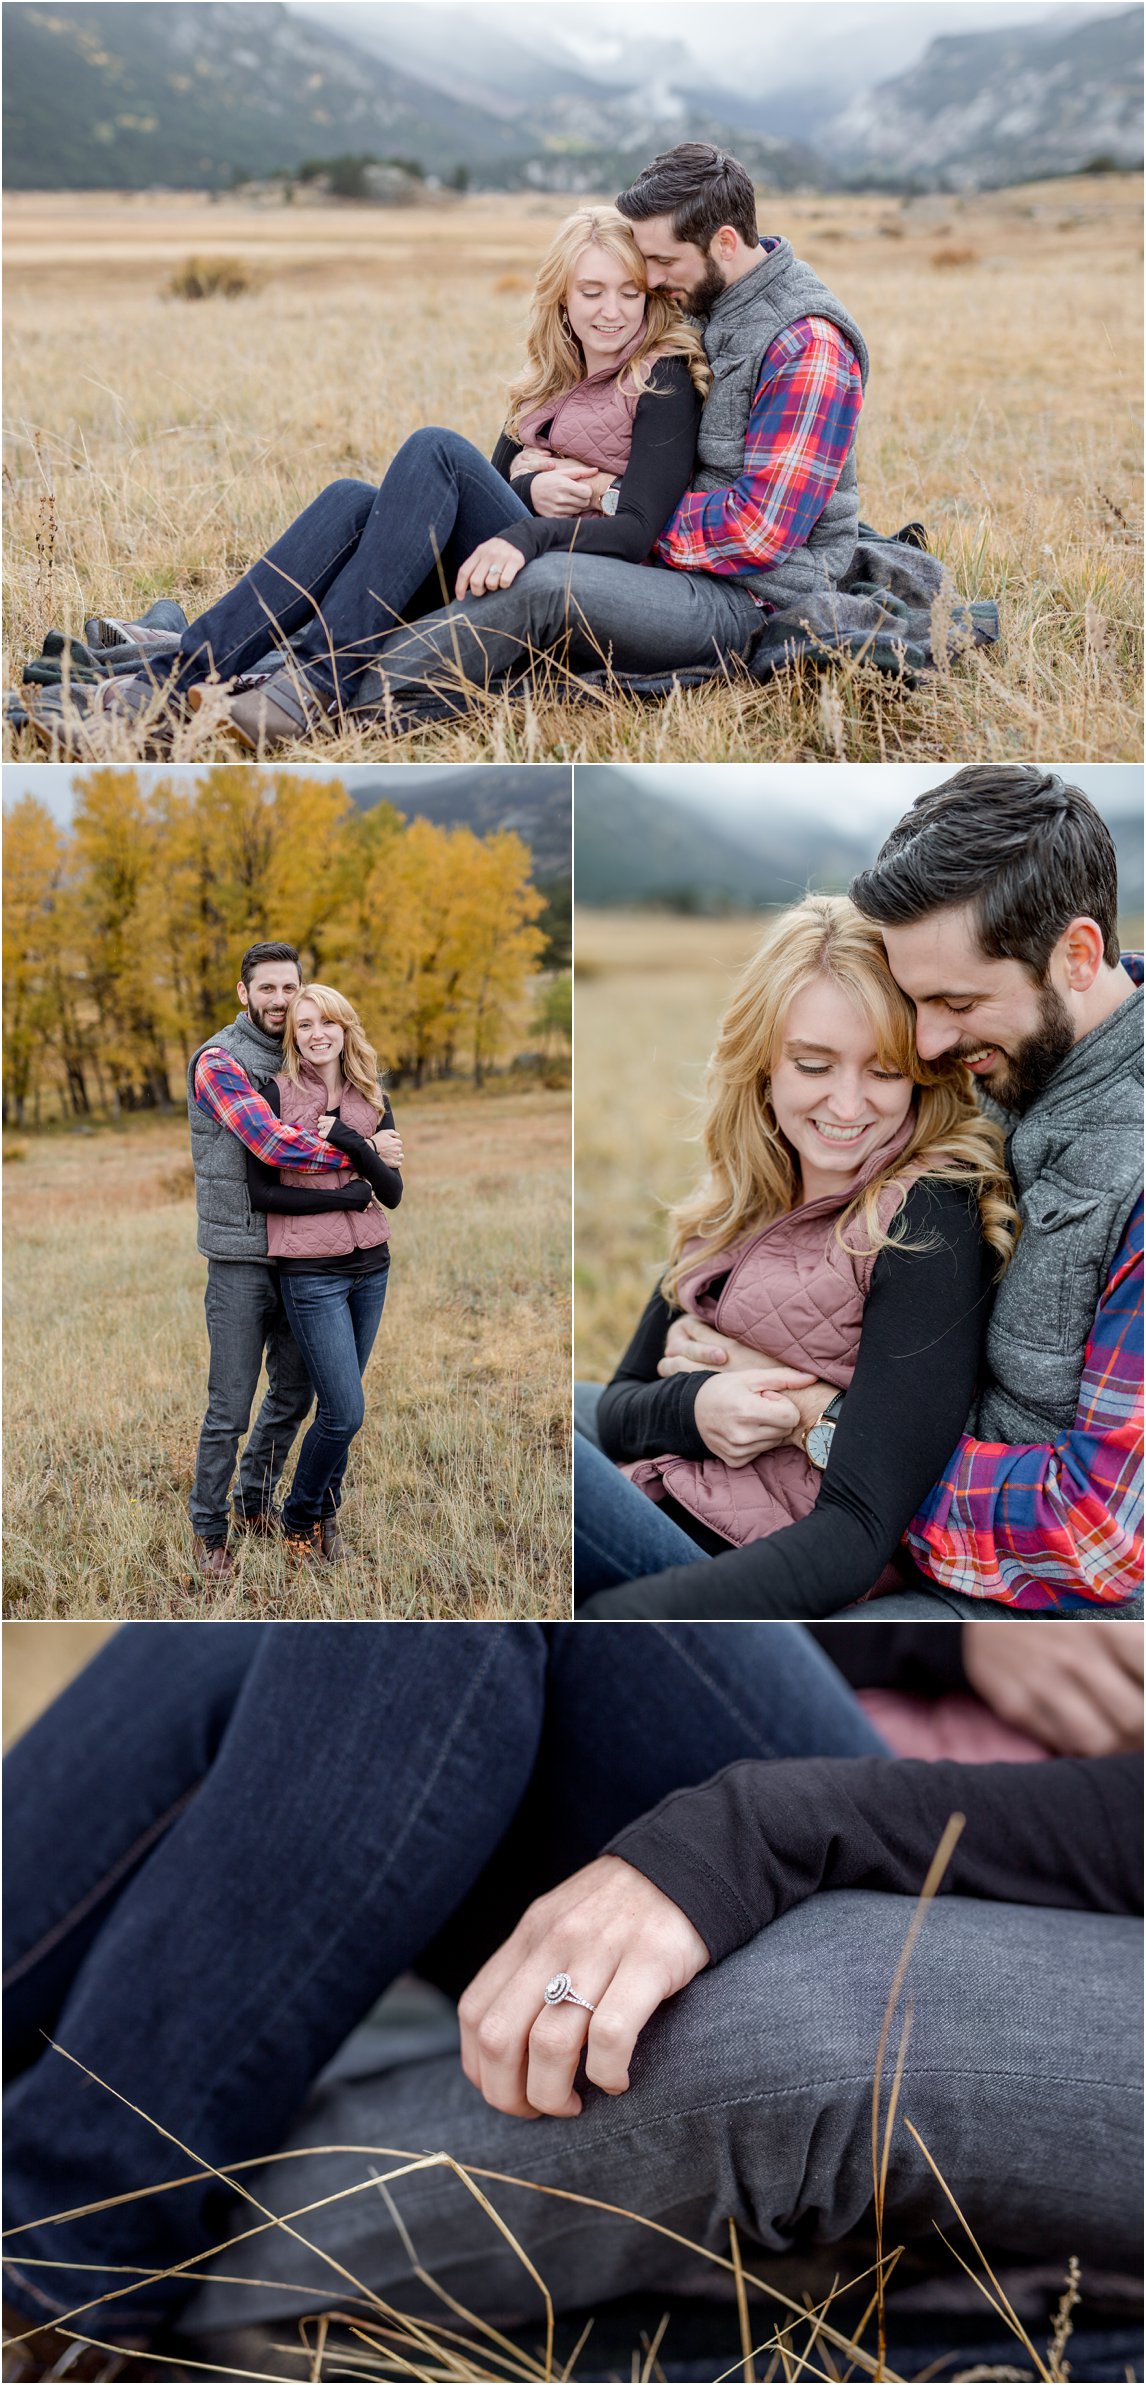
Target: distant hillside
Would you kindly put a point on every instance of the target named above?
(632, 847)
(534, 802)
(1009, 104)
(120, 94)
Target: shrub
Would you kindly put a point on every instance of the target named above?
(212, 277)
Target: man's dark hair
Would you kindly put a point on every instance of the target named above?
(256, 954)
(701, 188)
(1027, 852)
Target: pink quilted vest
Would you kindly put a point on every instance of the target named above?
(791, 1289)
(327, 1233)
(593, 422)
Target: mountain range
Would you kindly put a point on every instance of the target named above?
(536, 803)
(201, 94)
(633, 848)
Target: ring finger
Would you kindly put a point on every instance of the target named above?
(556, 2043)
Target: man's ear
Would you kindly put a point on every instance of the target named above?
(725, 242)
(1079, 952)
(242, 994)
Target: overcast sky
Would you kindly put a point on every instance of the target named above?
(862, 796)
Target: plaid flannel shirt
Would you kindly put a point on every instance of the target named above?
(225, 1091)
(799, 435)
(1054, 1527)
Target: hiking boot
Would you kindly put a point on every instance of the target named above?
(262, 1522)
(303, 1543)
(261, 714)
(86, 723)
(331, 1542)
(213, 1559)
(51, 2352)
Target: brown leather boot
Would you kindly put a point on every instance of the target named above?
(303, 1545)
(213, 1559)
(334, 1547)
(263, 1523)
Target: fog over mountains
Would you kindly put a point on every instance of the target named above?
(201, 93)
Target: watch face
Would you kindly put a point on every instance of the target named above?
(819, 1442)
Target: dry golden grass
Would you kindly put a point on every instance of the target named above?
(457, 1501)
(155, 447)
(667, 980)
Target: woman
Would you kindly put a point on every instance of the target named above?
(830, 1276)
(598, 450)
(224, 1840)
(333, 1260)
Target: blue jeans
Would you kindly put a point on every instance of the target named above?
(224, 1840)
(359, 561)
(334, 1319)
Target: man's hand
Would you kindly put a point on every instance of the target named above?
(691, 1347)
(493, 565)
(739, 1416)
(1076, 1685)
(625, 1946)
(388, 1145)
(565, 489)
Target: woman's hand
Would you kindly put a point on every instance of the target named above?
(563, 490)
(691, 1346)
(493, 565)
(531, 459)
(1076, 1685)
(388, 1145)
(625, 1946)
(739, 1416)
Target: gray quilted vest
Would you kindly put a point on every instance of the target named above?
(778, 292)
(1076, 1162)
(228, 1226)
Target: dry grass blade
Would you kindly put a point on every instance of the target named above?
(1063, 2325)
(649, 2362)
(517, 2360)
(1012, 2320)
(879, 2158)
(747, 2364)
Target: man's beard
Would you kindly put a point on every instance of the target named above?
(1027, 1071)
(258, 1015)
(701, 300)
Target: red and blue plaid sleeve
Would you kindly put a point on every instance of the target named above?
(224, 1090)
(800, 431)
(1055, 1528)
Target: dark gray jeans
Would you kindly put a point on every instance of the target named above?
(750, 2099)
(245, 1321)
(585, 611)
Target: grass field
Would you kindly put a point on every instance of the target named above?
(457, 1499)
(635, 1110)
(156, 446)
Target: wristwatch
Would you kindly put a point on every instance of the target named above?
(818, 1437)
(611, 498)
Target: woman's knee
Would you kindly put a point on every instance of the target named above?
(342, 1416)
(434, 448)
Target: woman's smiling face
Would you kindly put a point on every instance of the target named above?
(318, 1039)
(833, 1099)
(604, 303)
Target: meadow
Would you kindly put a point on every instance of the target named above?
(155, 445)
(457, 1496)
(635, 1106)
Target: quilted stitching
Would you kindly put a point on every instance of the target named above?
(330, 1233)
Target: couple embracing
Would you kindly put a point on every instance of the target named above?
(297, 1159)
(677, 465)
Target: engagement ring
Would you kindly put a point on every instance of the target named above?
(560, 1992)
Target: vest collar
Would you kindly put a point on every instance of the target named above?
(268, 1047)
(739, 300)
(1109, 1051)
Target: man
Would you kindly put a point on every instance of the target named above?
(245, 1317)
(997, 895)
(773, 515)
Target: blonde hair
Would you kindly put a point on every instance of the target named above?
(555, 361)
(752, 1171)
(359, 1059)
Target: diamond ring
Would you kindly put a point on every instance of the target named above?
(559, 1991)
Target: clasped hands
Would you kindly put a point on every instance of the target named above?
(562, 488)
(387, 1141)
(752, 1402)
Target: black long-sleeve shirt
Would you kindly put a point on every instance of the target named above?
(762, 1837)
(658, 472)
(902, 1415)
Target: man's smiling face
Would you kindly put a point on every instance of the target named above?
(269, 992)
(993, 1015)
(678, 266)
